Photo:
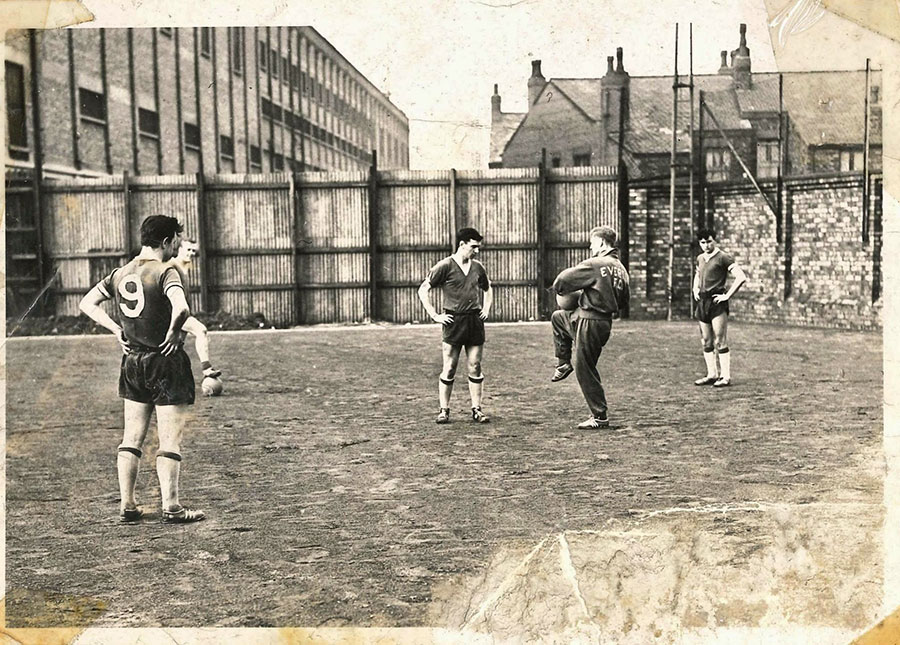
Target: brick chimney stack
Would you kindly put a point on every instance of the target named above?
(615, 88)
(723, 67)
(495, 104)
(740, 62)
(535, 83)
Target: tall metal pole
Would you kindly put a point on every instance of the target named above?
(672, 171)
(865, 213)
(691, 159)
(779, 177)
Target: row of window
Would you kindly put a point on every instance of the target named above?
(354, 110)
(293, 121)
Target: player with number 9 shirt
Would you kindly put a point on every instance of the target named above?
(156, 372)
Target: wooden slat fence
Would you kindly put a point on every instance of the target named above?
(299, 248)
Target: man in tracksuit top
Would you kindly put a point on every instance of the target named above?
(604, 284)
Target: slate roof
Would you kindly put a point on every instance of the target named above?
(825, 108)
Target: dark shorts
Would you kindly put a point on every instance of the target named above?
(150, 377)
(707, 309)
(467, 329)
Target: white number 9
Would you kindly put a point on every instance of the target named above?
(135, 302)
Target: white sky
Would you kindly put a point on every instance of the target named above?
(439, 59)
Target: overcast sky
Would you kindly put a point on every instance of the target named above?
(439, 59)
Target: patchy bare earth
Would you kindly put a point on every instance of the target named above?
(334, 499)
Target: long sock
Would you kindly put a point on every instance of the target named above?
(445, 389)
(476, 387)
(725, 363)
(168, 469)
(710, 358)
(128, 463)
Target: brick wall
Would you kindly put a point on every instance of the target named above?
(821, 273)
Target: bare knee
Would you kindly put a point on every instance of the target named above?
(475, 368)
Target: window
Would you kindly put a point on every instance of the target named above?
(148, 123)
(767, 159)
(93, 105)
(205, 41)
(15, 108)
(226, 147)
(237, 50)
(718, 163)
(285, 69)
(875, 122)
(273, 63)
(555, 161)
(191, 136)
(581, 159)
(851, 160)
(263, 57)
(874, 92)
(278, 162)
(166, 31)
(255, 158)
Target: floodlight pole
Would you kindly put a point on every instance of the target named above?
(672, 171)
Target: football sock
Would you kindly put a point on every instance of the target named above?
(445, 389)
(710, 358)
(168, 469)
(476, 386)
(127, 464)
(725, 363)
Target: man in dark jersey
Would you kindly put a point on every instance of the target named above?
(156, 372)
(713, 267)
(467, 300)
(605, 292)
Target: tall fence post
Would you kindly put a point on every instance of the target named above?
(373, 238)
(542, 237)
(126, 195)
(294, 205)
(202, 241)
(452, 207)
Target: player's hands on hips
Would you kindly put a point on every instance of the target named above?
(120, 336)
(720, 297)
(444, 319)
(484, 313)
(172, 343)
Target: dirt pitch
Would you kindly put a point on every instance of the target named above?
(334, 499)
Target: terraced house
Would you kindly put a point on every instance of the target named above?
(580, 121)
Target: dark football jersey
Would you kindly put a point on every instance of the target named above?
(461, 291)
(139, 289)
(713, 271)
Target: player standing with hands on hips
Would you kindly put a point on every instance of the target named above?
(156, 371)
(605, 292)
(467, 300)
(713, 267)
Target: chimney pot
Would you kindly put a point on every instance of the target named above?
(536, 68)
(495, 89)
(619, 66)
(609, 64)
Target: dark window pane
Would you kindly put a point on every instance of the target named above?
(92, 104)
(191, 136)
(148, 122)
(15, 105)
(226, 146)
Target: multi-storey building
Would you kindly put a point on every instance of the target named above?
(186, 100)
(829, 120)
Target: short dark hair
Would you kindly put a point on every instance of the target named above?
(467, 235)
(706, 233)
(158, 228)
(605, 233)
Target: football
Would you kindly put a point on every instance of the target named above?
(568, 301)
(212, 386)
